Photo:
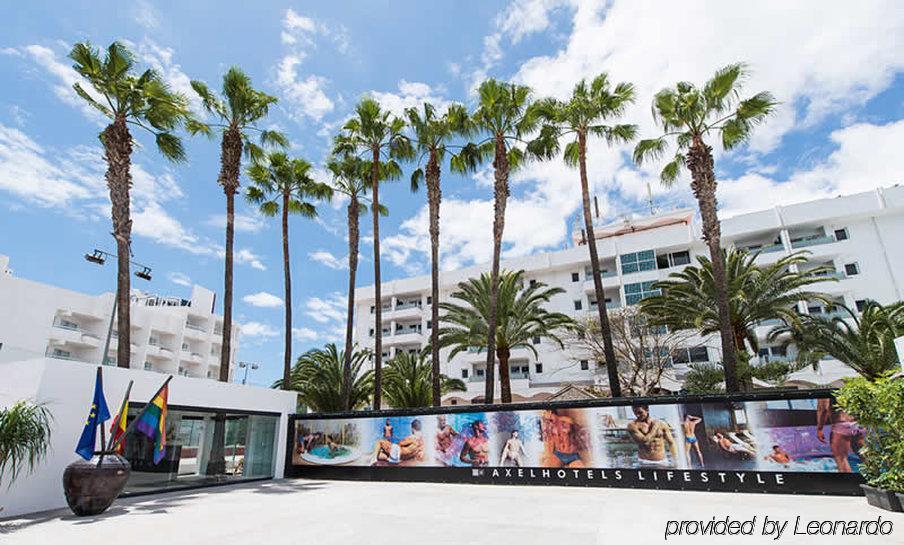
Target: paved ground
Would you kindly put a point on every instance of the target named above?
(303, 512)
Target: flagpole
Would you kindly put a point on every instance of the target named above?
(137, 418)
(122, 406)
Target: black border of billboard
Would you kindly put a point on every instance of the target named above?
(812, 483)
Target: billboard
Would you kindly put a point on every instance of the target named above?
(797, 442)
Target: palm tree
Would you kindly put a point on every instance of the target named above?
(284, 185)
(144, 101)
(238, 111)
(432, 134)
(24, 437)
(350, 178)
(378, 133)
(865, 343)
(408, 381)
(755, 294)
(318, 378)
(581, 116)
(690, 115)
(505, 115)
(521, 318)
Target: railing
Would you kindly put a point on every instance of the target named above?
(588, 275)
(67, 327)
(812, 241)
(195, 327)
(408, 305)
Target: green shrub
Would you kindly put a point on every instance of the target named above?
(879, 407)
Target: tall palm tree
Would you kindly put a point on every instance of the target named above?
(755, 293)
(408, 381)
(238, 111)
(865, 343)
(126, 99)
(351, 177)
(24, 438)
(504, 116)
(284, 185)
(432, 135)
(583, 115)
(318, 378)
(521, 316)
(377, 133)
(690, 115)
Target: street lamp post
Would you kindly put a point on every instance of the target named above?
(99, 257)
(247, 366)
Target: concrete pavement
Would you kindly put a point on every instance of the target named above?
(336, 512)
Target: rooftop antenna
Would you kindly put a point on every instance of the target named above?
(650, 199)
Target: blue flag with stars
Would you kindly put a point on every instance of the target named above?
(97, 414)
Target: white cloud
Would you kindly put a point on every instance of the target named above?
(258, 330)
(263, 299)
(305, 95)
(243, 223)
(327, 310)
(145, 15)
(329, 260)
(304, 334)
(410, 94)
(248, 257)
(162, 59)
(65, 77)
(180, 279)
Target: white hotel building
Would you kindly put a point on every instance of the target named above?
(169, 334)
(860, 236)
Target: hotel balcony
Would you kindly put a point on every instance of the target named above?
(195, 331)
(73, 336)
(402, 311)
(815, 240)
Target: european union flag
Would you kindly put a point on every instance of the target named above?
(97, 414)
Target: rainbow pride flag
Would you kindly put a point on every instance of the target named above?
(153, 423)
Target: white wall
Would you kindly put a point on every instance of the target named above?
(67, 389)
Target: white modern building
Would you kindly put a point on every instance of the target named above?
(169, 334)
(860, 236)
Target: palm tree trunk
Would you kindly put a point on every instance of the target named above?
(703, 183)
(605, 329)
(434, 196)
(353, 234)
(287, 357)
(505, 383)
(378, 305)
(230, 163)
(117, 152)
(500, 198)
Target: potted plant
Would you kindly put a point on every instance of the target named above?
(878, 406)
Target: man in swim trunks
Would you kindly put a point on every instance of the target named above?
(731, 447)
(563, 439)
(690, 437)
(652, 436)
(409, 448)
(779, 456)
(845, 435)
(513, 451)
(476, 449)
(444, 435)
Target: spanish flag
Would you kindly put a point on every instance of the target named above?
(119, 425)
(152, 423)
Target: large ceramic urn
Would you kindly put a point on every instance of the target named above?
(92, 485)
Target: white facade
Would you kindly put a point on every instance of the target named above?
(169, 334)
(859, 235)
(66, 388)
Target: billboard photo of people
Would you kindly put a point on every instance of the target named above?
(400, 441)
(328, 442)
(566, 438)
(639, 436)
(805, 435)
(462, 440)
(516, 440)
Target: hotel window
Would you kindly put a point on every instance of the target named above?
(674, 259)
(634, 293)
(372, 309)
(841, 234)
(578, 305)
(464, 373)
(575, 277)
(538, 367)
(861, 304)
(371, 332)
(478, 372)
(147, 366)
(536, 340)
(429, 324)
(429, 300)
(533, 282)
(697, 354)
(851, 269)
(585, 365)
(638, 261)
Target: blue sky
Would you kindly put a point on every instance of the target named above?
(839, 129)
